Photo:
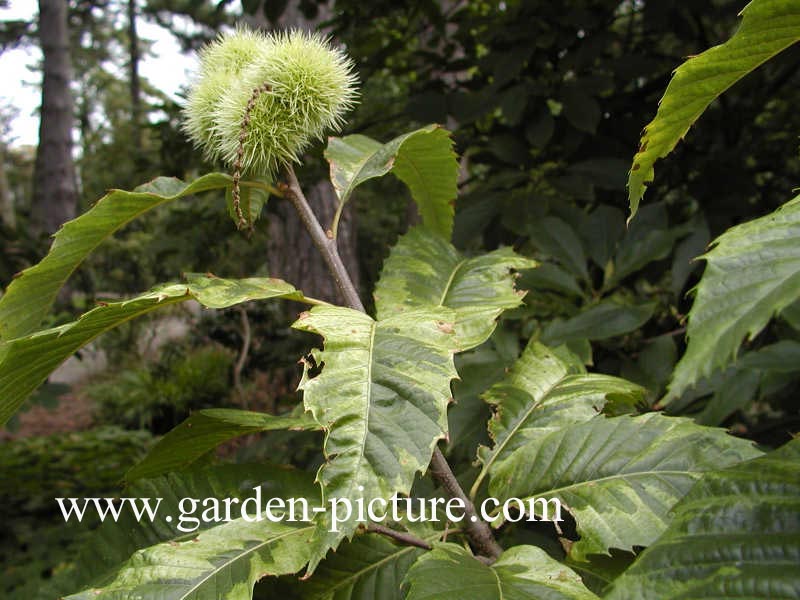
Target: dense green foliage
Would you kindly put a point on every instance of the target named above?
(521, 321)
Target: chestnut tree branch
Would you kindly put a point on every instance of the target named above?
(476, 529)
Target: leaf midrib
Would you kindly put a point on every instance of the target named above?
(393, 556)
(367, 406)
(608, 478)
(239, 557)
(449, 285)
(357, 175)
(498, 448)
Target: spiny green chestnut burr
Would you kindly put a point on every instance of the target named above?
(260, 99)
(221, 64)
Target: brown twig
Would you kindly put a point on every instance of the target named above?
(325, 242)
(406, 539)
(476, 528)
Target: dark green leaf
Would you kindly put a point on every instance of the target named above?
(205, 430)
(602, 230)
(735, 393)
(368, 568)
(557, 239)
(580, 109)
(603, 320)
(548, 276)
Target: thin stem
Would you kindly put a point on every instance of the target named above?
(271, 189)
(475, 528)
(313, 301)
(336, 218)
(324, 241)
(473, 492)
(239, 367)
(406, 539)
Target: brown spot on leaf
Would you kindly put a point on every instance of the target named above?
(445, 327)
(636, 167)
(303, 315)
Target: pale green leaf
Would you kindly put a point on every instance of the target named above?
(424, 271)
(618, 477)
(736, 534)
(423, 159)
(543, 393)
(26, 362)
(203, 431)
(114, 541)
(752, 273)
(382, 398)
(224, 561)
(521, 573)
(29, 297)
(768, 27)
(366, 568)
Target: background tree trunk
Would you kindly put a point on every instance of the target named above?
(55, 192)
(133, 82)
(7, 215)
(292, 255)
